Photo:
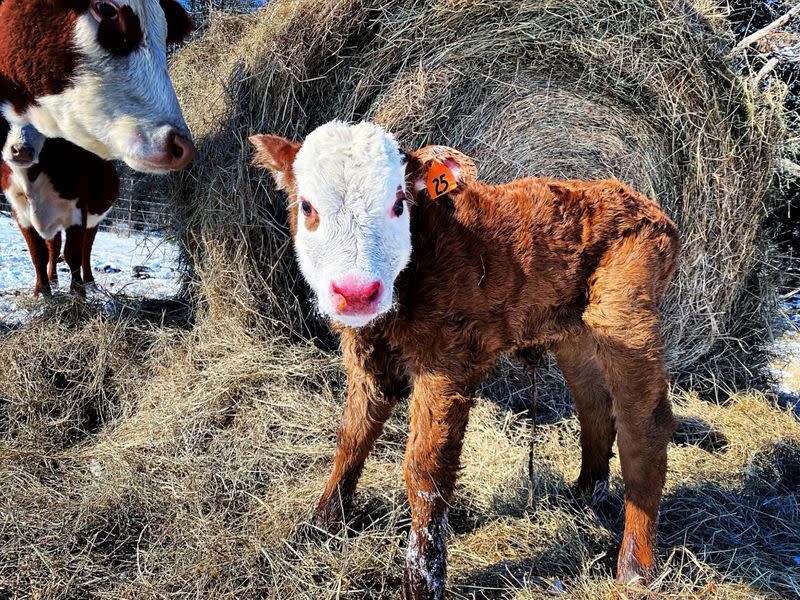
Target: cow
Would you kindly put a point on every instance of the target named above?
(94, 72)
(429, 275)
(54, 186)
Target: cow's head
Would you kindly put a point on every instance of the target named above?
(95, 72)
(23, 145)
(350, 189)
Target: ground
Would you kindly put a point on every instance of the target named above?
(139, 460)
(123, 262)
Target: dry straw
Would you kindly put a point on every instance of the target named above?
(637, 90)
(140, 461)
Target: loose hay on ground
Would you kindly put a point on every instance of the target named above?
(200, 478)
(184, 462)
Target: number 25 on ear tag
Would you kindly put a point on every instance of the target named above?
(440, 180)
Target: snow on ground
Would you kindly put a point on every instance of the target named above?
(134, 264)
(785, 368)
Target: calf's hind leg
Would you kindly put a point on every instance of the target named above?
(623, 317)
(54, 252)
(577, 358)
(73, 254)
(86, 257)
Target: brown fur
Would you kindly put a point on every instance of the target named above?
(94, 184)
(37, 54)
(574, 267)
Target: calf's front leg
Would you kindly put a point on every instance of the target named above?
(439, 413)
(375, 382)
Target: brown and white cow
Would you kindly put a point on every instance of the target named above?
(429, 275)
(94, 72)
(53, 187)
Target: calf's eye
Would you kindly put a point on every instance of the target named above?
(398, 208)
(306, 207)
(106, 10)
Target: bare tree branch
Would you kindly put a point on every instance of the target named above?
(780, 21)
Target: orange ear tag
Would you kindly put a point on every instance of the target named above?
(440, 180)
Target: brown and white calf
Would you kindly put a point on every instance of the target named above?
(94, 72)
(53, 187)
(426, 295)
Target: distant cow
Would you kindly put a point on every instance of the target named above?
(55, 186)
(95, 73)
(427, 293)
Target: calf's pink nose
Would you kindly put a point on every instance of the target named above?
(356, 298)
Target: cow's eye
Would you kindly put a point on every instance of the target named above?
(306, 207)
(106, 10)
(398, 207)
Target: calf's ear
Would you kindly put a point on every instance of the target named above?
(276, 154)
(179, 23)
(439, 169)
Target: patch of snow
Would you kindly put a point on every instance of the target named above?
(785, 369)
(136, 264)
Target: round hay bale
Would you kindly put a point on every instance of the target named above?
(639, 90)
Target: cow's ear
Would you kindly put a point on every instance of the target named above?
(276, 154)
(179, 23)
(439, 170)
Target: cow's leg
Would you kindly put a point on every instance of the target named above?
(623, 317)
(73, 254)
(86, 262)
(38, 250)
(577, 358)
(54, 253)
(439, 414)
(374, 385)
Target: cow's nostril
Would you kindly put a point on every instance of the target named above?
(356, 298)
(21, 153)
(181, 150)
(373, 291)
(175, 148)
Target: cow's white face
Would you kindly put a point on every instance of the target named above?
(120, 103)
(352, 230)
(23, 145)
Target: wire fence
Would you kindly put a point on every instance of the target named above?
(141, 205)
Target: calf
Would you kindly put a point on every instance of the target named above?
(55, 186)
(427, 293)
(95, 73)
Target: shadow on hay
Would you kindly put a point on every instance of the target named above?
(737, 534)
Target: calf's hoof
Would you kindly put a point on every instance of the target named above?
(635, 565)
(78, 289)
(327, 522)
(422, 586)
(329, 515)
(42, 290)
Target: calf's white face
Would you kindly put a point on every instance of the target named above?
(351, 223)
(23, 145)
(118, 101)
